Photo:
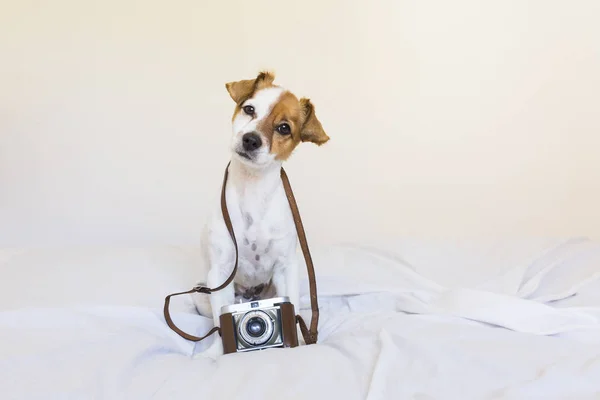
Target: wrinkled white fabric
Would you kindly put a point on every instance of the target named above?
(403, 321)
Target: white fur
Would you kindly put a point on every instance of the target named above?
(263, 102)
(262, 222)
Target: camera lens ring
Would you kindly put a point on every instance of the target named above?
(266, 334)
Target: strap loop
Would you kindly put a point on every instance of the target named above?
(176, 329)
(202, 289)
(309, 337)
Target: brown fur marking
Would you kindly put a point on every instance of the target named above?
(240, 91)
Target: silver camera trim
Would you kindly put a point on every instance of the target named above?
(251, 305)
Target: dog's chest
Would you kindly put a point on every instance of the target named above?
(265, 235)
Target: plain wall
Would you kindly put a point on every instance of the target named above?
(446, 118)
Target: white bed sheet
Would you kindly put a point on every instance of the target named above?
(399, 320)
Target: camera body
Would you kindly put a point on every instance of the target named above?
(258, 325)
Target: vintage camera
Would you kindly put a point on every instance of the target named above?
(258, 325)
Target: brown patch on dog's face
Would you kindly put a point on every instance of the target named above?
(240, 91)
(290, 122)
(282, 126)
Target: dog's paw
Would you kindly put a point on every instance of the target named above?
(202, 304)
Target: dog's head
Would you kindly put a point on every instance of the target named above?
(269, 121)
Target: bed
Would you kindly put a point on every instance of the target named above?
(400, 319)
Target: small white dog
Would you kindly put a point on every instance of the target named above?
(268, 123)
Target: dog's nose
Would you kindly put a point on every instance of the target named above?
(251, 141)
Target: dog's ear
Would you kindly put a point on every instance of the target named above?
(242, 90)
(311, 131)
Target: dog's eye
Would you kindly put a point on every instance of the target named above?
(284, 129)
(249, 110)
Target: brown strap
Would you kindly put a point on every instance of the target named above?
(225, 213)
(175, 328)
(202, 289)
(310, 335)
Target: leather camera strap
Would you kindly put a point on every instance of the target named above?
(310, 335)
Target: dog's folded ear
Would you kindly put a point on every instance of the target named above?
(241, 91)
(311, 131)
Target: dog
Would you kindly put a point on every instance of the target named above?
(268, 123)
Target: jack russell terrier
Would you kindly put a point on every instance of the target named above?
(268, 123)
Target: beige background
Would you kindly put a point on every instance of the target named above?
(447, 118)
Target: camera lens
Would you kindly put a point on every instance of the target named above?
(256, 327)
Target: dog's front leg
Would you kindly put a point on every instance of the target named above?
(223, 297)
(285, 280)
(291, 282)
(286, 284)
(221, 258)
